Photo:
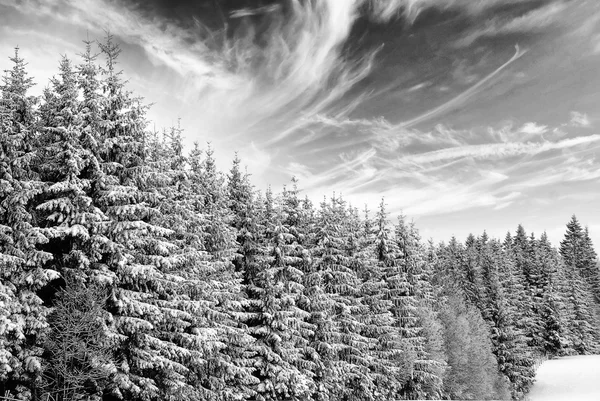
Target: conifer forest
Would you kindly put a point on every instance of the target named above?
(132, 269)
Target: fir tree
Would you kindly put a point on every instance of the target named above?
(371, 257)
(21, 262)
(591, 265)
(473, 371)
(571, 247)
(416, 301)
(331, 285)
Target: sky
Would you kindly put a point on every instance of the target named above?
(464, 115)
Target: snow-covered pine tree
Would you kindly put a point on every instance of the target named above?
(416, 312)
(331, 285)
(521, 250)
(591, 265)
(368, 252)
(201, 295)
(471, 271)
(66, 213)
(351, 311)
(582, 323)
(279, 326)
(571, 247)
(89, 85)
(472, 372)
(151, 364)
(274, 320)
(514, 357)
(21, 271)
(207, 232)
(550, 298)
(578, 250)
(296, 222)
(577, 253)
(249, 226)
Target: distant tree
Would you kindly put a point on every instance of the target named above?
(472, 368)
(416, 317)
(572, 247)
(581, 271)
(510, 341)
(371, 258)
(525, 274)
(591, 265)
(582, 322)
(578, 250)
(551, 298)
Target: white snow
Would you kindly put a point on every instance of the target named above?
(574, 378)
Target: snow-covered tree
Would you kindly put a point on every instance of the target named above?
(21, 262)
(413, 301)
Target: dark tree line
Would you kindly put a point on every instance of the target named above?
(130, 269)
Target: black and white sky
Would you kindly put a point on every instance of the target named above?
(465, 114)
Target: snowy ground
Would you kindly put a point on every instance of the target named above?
(574, 378)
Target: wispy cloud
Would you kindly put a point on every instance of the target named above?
(536, 20)
(446, 170)
(580, 119)
(458, 100)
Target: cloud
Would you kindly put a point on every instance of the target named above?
(461, 98)
(533, 129)
(580, 120)
(536, 20)
(498, 150)
(447, 170)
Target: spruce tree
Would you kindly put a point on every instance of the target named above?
(551, 298)
(21, 262)
(416, 310)
(582, 323)
(472, 368)
(371, 257)
(581, 271)
(331, 285)
(145, 332)
(514, 357)
(66, 212)
(571, 247)
(590, 265)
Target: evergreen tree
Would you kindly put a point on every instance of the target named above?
(66, 212)
(416, 301)
(582, 323)
(21, 262)
(526, 275)
(331, 286)
(581, 272)
(510, 342)
(571, 247)
(591, 265)
(472, 368)
(371, 257)
(148, 335)
(551, 298)
(275, 288)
